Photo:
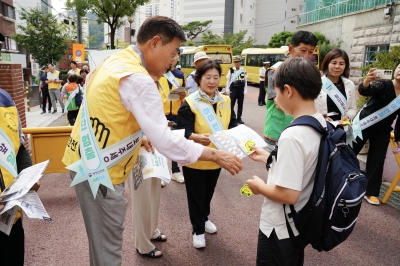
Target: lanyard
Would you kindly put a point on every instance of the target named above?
(333, 92)
(171, 78)
(235, 75)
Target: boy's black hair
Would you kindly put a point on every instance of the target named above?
(84, 70)
(72, 78)
(305, 37)
(79, 80)
(73, 62)
(204, 66)
(300, 73)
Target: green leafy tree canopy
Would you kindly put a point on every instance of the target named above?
(280, 39)
(235, 40)
(111, 12)
(42, 36)
(194, 28)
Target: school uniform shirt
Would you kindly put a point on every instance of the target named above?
(293, 169)
(323, 100)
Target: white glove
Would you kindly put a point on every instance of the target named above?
(245, 91)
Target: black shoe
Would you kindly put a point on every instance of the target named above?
(49, 111)
(55, 111)
(264, 104)
(62, 110)
(43, 112)
(260, 104)
(240, 121)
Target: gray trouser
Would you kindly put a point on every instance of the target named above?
(55, 94)
(104, 221)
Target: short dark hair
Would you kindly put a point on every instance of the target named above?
(305, 37)
(300, 73)
(79, 80)
(50, 64)
(73, 62)
(203, 67)
(165, 27)
(72, 78)
(84, 70)
(335, 53)
(45, 67)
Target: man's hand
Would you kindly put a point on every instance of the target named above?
(147, 145)
(36, 186)
(259, 154)
(228, 161)
(255, 183)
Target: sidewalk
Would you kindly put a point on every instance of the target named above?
(35, 119)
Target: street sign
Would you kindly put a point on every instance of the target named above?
(78, 52)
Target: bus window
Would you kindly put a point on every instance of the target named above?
(258, 59)
(186, 60)
(221, 58)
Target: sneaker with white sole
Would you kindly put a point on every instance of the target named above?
(199, 241)
(178, 177)
(163, 184)
(210, 227)
(372, 200)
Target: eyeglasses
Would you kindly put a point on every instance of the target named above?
(174, 56)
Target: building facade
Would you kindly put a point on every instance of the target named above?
(44, 5)
(7, 26)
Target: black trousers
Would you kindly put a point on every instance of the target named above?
(175, 167)
(12, 246)
(72, 116)
(200, 185)
(262, 93)
(378, 145)
(45, 97)
(272, 251)
(237, 95)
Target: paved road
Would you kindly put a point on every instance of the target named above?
(63, 241)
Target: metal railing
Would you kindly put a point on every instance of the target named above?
(340, 9)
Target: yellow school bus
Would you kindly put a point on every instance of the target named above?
(221, 53)
(253, 58)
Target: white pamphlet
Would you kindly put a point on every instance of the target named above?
(7, 220)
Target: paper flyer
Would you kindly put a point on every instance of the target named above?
(174, 94)
(237, 140)
(7, 220)
(151, 165)
(51, 76)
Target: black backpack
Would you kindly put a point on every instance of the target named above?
(330, 214)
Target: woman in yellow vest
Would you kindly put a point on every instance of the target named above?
(195, 114)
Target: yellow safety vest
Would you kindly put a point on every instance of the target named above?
(111, 121)
(170, 107)
(9, 123)
(54, 85)
(200, 127)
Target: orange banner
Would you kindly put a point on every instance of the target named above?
(78, 52)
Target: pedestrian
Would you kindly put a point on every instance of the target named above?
(384, 97)
(44, 90)
(12, 247)
(237, 86)
(171, 108)
(297, 83)
(178, 67)
(53, 81)
(198, 58)
(83, 74)
(73, 95)
(338, 93)
(201, 177)
(262, 93)
(303, 44)
(124, 103)
(74, 69)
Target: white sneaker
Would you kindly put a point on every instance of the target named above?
(199, 241)
(163, 184)
(210, 227)
(178, 177)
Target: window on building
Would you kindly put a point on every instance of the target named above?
(293, 21)
(241, 3)
(149, 11)
(293, 9)
(241, 18)
(9, 44)
(371, 50)
(301, 7)
(7, 10)
(157, 9)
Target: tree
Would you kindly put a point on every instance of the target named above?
(111, 12)
(194, 28)
(96, 31)
(280, 39)
(235, 40)
(42, 36)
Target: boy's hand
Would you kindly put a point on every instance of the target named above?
(259, 154)
(255, 183)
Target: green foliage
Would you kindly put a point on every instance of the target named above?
(96, 32)
(325, 48)
(189, 43)
(194, 28)
(235, 40)
(111, 12)
(42, 36)
(321, 38)
(280, 39)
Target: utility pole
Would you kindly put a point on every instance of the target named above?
(79, 27)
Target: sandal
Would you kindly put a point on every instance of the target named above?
(161, 237)
(152, 254)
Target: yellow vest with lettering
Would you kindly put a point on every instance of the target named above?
(9, 123)
(170, 107)
(110, 120)
(223, 112)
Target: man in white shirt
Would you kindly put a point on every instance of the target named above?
(262, 93)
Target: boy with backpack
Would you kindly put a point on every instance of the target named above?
(310, 196)
(72, 92)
